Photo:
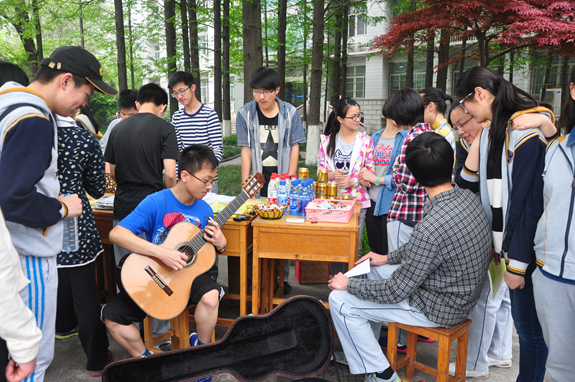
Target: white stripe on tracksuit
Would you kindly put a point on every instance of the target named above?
(41, 296)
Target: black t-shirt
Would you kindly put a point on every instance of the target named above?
(137, 146)
(269, 138)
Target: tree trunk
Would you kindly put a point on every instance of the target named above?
(462, 61)
(218, 58)
(266, 31)
(39, 44)
(120, 45)
(410, 64)
(170, 14)
(344, 34)
(226, 112)
(22, 20)
(131, 41)
(430, 54)
(185, 34)
(512, 65)
(443, 56)
(194, 47)
(252, 42)
(546, 78)
(336, 75)
(325, 95)
(304, 107)
(282, 29)
(81, 24)
(315, 93)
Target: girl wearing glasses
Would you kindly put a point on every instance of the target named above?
(506, 166)
(343, 152)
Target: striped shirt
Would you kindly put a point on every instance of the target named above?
(203, 127)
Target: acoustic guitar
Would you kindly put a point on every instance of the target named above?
(162, 292)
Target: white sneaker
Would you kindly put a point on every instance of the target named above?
(503, 363)
(469, 373)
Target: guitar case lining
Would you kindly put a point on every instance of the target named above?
(293, 340)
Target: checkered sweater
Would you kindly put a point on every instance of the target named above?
(444, 264)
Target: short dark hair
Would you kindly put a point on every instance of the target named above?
(180, 76)
(12, 72)
(404, 107)
(265, 78)
(127, 99)
(567, 119)
(196, 157)
(429, 157)
(44, 75)
(152, 93)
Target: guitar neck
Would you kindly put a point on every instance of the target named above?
(198, 241)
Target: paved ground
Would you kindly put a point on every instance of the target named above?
(69, 360)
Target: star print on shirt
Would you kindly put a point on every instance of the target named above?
(269, 149)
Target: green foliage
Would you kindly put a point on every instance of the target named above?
(232, 140)
(230, 180)
(230, 151)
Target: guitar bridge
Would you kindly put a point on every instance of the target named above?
(158, 280)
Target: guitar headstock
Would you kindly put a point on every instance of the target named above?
(254, 184)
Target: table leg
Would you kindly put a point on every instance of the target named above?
(256, 275)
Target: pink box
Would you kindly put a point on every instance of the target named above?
(318, 214)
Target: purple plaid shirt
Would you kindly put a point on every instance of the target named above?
(410, 197)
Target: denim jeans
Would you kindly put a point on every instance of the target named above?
(532, 348)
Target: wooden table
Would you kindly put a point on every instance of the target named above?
(279, 240)
(238, 234)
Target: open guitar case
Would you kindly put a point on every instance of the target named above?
(294, 340)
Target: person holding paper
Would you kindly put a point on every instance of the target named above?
(433, 280)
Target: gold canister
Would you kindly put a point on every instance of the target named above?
(345, 196)
(315, 188)
(321, 190)
(332, 190)
(303, 174)
(322, 176)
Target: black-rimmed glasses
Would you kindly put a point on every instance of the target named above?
(180, 93)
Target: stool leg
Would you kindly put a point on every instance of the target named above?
(461, 360)
(443, 359)
(148, 334)
(392, 334)
(412, 354)
(177, 337)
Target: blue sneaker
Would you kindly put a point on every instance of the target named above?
(195, 341)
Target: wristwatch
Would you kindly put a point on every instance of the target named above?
(377, 182)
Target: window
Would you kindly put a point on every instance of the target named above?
(397, 75)
(356, 81)
(466, 65)
(205, 91)
(357, 23)
(203, 44)
(157, 52)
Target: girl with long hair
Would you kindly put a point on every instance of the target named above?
(344, 152)
(435, 101)
(507, 165)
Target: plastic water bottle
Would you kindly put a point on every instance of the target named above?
(272, 189)
(306, 196)
(282, 195)
(70, 238)
(294, 197)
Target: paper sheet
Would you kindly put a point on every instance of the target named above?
(496, 275)
(360, 269)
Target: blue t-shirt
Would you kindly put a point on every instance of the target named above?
(160, 211)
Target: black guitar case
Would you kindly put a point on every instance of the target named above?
(294, 340)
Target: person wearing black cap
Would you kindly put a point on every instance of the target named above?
(30, 194)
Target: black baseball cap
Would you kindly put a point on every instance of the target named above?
(81, 63)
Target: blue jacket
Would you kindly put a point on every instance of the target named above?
(387, 189)
(554, 241)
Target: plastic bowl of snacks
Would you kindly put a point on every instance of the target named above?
(270, 211)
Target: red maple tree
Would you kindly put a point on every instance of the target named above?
(493, 28)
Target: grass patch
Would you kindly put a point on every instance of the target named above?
(230, 151)
(232, 140)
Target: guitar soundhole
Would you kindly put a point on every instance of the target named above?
(189, 251)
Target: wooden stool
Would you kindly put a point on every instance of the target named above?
(179, 332)
(445, 338)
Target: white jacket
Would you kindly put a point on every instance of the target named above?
(17, 322)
